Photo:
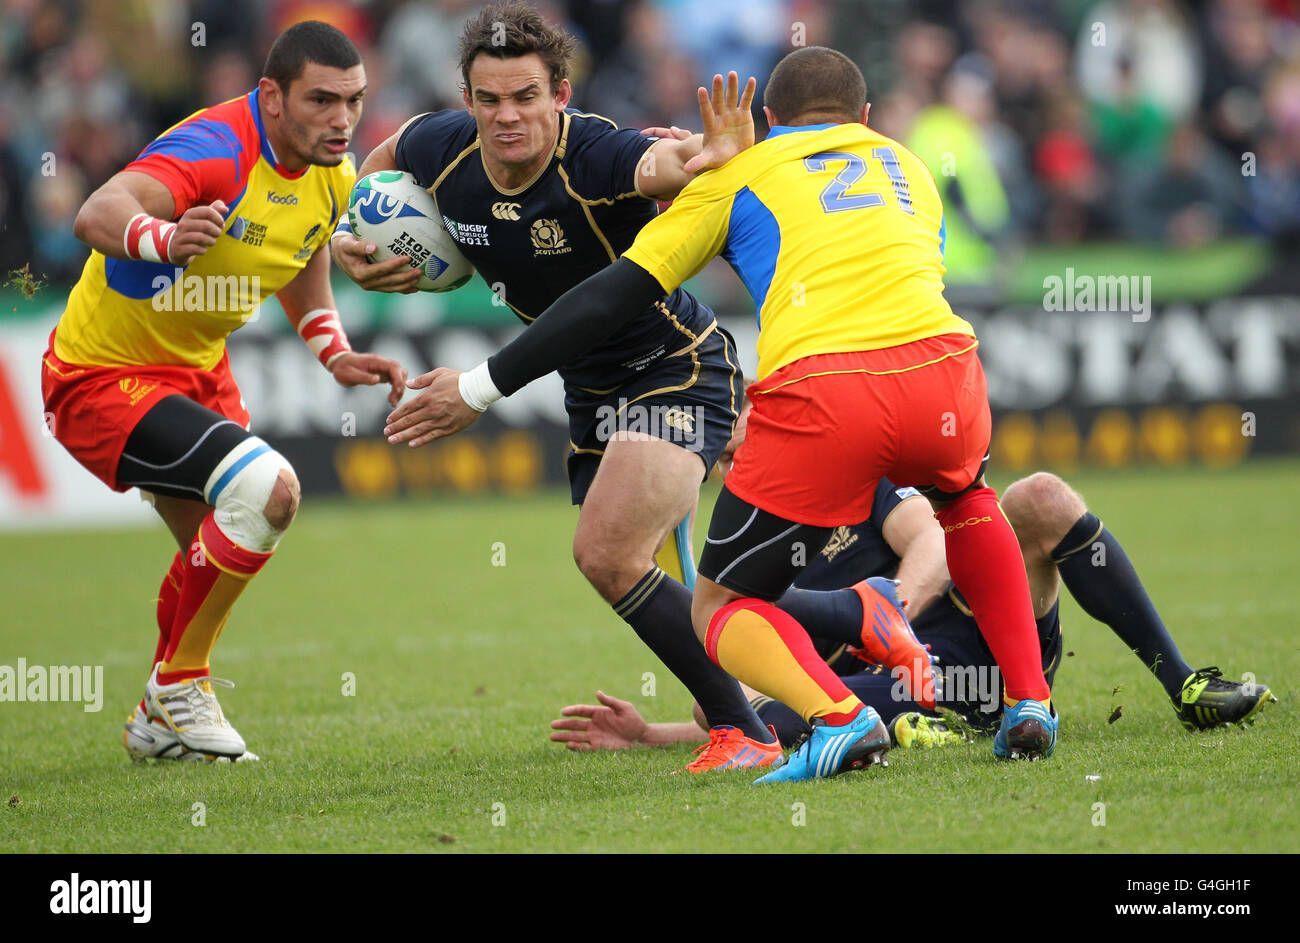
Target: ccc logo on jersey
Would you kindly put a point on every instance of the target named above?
(508, 211)
(548, 238)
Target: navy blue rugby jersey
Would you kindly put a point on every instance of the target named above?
(537, 241)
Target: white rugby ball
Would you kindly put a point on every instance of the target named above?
(400, 217)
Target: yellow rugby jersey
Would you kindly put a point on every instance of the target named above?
(836, 231)
(126, 312)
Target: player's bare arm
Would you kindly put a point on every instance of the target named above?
(912, 532)
(129, 217)
(351, 254)
(670, 164)
(309, 298)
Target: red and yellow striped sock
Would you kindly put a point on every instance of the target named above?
(169, 598)
(216, 572)
(768, 650)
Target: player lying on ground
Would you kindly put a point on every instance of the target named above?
(539, 197)
(228, 207)
(1061, 540)
(864, 373)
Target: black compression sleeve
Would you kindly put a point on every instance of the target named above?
(581, 318)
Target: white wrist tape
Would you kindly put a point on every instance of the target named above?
(148, 238)
(323, 332)
(477, 389)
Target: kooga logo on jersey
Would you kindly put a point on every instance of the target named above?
(288, 200)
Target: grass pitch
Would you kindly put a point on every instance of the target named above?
(459, 665)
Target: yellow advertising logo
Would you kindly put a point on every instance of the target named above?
(134, 389)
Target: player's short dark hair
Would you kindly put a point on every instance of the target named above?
(815, 82)
(511, 30)
(309, 41)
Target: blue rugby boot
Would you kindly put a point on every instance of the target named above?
(828, 751)
(1028, 731)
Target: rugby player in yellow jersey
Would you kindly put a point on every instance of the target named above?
(230, 206)
(864, 372)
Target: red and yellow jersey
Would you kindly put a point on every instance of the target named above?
(125, 312)
(836, 231)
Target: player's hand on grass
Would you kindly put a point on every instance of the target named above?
(197, 231)
(357, 369)
(392, 275)
(611, 725)
(728, 122)
(437, 412)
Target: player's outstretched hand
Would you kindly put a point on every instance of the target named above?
(728, 122)
(438, 411)
(613, 725)
(197, 231)
(357, 369)
(392, 275)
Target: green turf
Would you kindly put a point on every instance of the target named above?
(460, 665)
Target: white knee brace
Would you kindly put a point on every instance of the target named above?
(238, 490)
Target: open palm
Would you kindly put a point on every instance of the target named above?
(727, 121)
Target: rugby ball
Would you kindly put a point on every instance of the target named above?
(400, 217)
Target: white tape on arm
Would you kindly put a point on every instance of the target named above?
(477, 389)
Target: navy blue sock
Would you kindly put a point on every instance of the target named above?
(874, 690)
(836, 614)
(659, 609)
(1098, 574)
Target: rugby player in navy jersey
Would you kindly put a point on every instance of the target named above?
(1059, 538)
(539, 197)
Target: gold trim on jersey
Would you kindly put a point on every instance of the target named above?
(731, 383)
(452, 166)
(530, 320)
(958, 603)
(695, 375)
(563, 144)
(546, 164)
(875, 373)
(586, 210)
(672, 319)
(577, 451)
(713, 325)
(591, 114)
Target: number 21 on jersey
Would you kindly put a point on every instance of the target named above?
(836, 198)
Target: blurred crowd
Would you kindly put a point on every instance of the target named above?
(1167, 122)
